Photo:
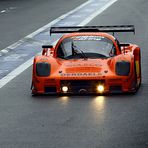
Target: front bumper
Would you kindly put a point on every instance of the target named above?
(117, 85)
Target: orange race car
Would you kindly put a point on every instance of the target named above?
(87, 59)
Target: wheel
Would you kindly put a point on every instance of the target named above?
(33, 92)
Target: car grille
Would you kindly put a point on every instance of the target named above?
(77, 85)
(115, 89)
(50, 90)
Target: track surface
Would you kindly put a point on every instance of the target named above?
(118, 121)
(23, 17)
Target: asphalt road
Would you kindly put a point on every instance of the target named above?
(117, 121)
(18, 18)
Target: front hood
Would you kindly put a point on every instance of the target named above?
(89, 67)
(82, 66)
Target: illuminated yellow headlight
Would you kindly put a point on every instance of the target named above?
(64, 88)
(100, 88)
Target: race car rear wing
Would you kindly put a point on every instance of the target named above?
(71, 29)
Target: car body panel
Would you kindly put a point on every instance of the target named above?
(84, 75)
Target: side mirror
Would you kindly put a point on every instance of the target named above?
(47, 50)
(124, 46)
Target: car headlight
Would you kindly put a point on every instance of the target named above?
(43, 69)
(122, 68)
(100, 88)
(65, 89)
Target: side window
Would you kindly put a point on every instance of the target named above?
(67, 47)
(112, 51)
(64, 49)
(60, 51)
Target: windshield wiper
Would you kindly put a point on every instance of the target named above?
(75, 48)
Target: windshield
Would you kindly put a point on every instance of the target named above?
(86, 47)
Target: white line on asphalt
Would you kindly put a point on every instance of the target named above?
(16, 44)
(57, 20)
(3, 11)
(15, 72)
(28, 63)
(4, 51)
(8, 9)
(86, 21)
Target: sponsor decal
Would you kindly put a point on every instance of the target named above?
(82, 65)
(80, 74)
(88, 38)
